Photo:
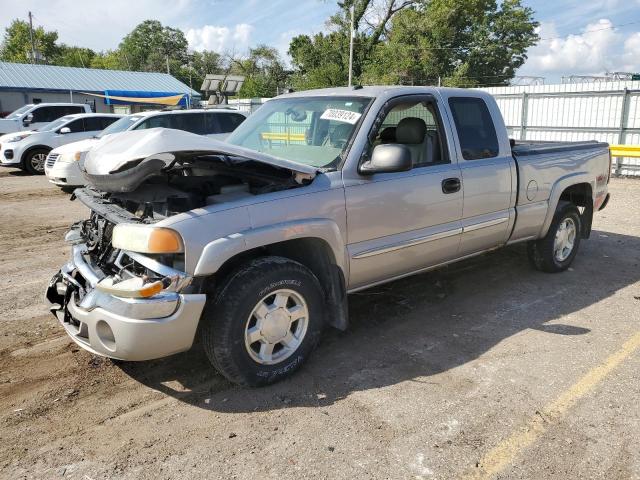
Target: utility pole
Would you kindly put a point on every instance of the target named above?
(33, 46)
(168, 64)
(351, 34)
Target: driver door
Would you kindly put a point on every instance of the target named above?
(398, 223)
(77, 133)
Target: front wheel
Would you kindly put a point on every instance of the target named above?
(556, 251)
(34, 161)
(264, 322)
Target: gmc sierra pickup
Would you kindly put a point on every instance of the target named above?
(254, 244)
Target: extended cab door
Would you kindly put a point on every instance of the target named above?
(402, 222)
(488, 172)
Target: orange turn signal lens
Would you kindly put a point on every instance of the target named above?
(151, 289)
(163, 240)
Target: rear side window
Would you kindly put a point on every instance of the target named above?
(92, 124)
(159, 121)
(107, 121)
(189, 122)
(475, 128)
(228, 122)
(76, 126)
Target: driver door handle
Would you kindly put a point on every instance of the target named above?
(451, 185)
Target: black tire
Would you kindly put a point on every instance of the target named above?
(542, 253)
(231, 309)
(29, 162)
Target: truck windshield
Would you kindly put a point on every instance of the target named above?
(119, 126)
(16, 113)
(310, 130)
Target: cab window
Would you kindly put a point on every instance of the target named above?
(475, 128)
(414, 123)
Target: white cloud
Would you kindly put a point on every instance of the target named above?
(220, 39)
(597, 49)
(94, 23)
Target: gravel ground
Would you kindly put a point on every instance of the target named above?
(483, 369)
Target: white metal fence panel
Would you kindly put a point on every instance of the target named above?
(605, 111)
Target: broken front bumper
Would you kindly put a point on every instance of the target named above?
(121, 328)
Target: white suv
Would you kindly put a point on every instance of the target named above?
(28, 149)
(37, 115)
(62, 163)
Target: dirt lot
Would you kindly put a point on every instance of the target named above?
(484, 369)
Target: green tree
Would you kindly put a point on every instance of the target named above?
(263, 70)
(108, 60)
(322, 60)
(150, 44)
(198, 65)
(462, 43)
(69, 56)
(16, 44)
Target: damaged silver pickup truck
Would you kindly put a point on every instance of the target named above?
(253, 245)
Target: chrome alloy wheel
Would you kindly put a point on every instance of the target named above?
(565, 239)
(37, 161)
(276, 327)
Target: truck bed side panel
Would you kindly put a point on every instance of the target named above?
(545, 171)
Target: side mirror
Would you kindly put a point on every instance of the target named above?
(388, 158)
(26, 121)
(64, 130)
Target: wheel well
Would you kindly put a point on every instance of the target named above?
(31, 149)
(313, 253)
(581, 195)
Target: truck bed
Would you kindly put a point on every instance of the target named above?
(532, 147)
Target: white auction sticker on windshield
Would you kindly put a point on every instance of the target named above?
(338, 115)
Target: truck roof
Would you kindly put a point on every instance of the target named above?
(149, 113)
(55, 104)
(85, 115)
(375, 91)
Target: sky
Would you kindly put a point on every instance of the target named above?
(580, 37)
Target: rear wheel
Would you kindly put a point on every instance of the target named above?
(264, 322)
(34, 161)
(556, 251)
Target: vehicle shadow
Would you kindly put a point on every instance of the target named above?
(13, 172)
(417, 327)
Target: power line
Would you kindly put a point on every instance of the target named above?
(591, 31)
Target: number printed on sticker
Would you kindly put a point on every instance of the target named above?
(338, 115)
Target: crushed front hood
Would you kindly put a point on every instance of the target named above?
(81, 146)
(113, 153)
